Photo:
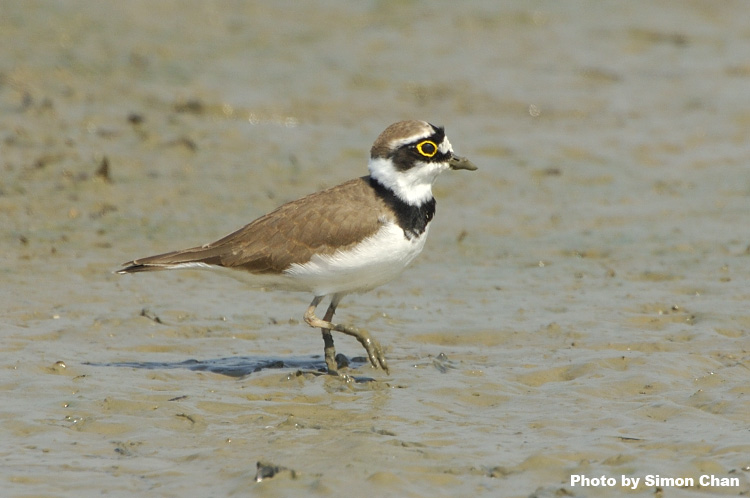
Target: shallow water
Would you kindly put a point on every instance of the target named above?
(580, 307)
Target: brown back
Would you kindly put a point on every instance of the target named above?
(335, 218)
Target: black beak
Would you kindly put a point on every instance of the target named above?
(458, 162)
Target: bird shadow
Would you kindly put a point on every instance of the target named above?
(235, 366)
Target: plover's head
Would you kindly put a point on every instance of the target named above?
(409, 155)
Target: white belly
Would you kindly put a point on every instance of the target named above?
(375, 261)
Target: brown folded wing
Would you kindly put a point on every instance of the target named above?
(321, 223)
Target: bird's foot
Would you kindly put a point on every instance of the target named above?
(373, 348)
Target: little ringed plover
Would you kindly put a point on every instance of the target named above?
(346, 239)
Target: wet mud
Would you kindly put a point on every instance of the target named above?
(581, 306)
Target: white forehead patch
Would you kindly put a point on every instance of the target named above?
(445, 146)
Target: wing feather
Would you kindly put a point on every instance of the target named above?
(323, 222)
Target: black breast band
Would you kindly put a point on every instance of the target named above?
(413, 220)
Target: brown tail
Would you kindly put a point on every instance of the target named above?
(195, 257)
(134, 268)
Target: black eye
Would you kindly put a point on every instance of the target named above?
(427, 148)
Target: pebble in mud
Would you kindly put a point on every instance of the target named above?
(267, 470)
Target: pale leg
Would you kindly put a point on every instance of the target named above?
(328, 348)
(374, 351)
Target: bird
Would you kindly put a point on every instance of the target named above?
(350, 238)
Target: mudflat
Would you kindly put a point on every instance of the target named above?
(580, 310)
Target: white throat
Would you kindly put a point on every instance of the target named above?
(413, 186)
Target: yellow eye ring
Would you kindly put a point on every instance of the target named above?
(427, 148)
